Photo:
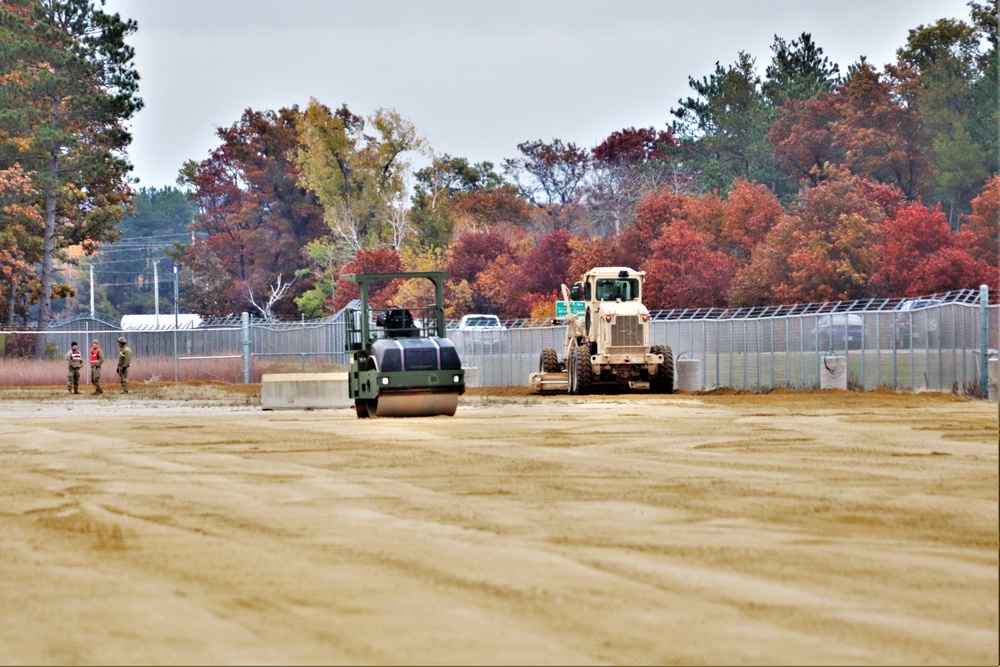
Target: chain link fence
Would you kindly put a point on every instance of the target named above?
(942, 346)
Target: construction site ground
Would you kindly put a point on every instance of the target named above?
(183, 524)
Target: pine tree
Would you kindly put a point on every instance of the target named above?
(67, 87)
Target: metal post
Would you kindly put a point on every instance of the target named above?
(91, 294)
(984, 342)
(156, 293)
(246, 346)
(176, 321)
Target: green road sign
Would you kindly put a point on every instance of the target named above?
(578, 308)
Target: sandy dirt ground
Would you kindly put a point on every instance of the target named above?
(185, 525)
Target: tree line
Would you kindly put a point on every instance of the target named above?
(797, 183)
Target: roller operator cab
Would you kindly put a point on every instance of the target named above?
(402, 364)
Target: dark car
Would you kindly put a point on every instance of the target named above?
(839, 330)
(919, 329)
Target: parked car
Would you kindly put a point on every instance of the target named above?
(838, 331)
(479, 333)
(918, 329)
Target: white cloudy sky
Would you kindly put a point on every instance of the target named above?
(476, 78)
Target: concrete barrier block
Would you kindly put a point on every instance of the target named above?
(689, 375)
(299, 391)
(833, 373)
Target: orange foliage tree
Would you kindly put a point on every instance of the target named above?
(827, 248)
(980, 234)
(684, 271)
(380, 293)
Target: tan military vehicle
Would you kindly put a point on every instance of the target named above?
(607, 343)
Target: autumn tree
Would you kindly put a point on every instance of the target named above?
(882, 138)
(652, 212)
(473, 252)
(980, 235)
(21, 227)
(486, 209)
(254, 218)
(939, 72)
(381, 293)
(470, 256)
(452, 195)
(626, 165)
(802, 136)
(67, 88)
(914, 239)
(552, 176)
(826, 248)
(543, 267)
(750, 211)
(357, 169)
(586, 252)
(684, 271)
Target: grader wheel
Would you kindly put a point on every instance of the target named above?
(663, 383)
(582, 372)
(549, 361)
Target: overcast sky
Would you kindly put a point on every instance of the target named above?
(476, 78)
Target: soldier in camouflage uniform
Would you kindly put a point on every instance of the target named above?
(75, 359)
(124, 359)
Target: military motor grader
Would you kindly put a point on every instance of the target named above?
(607, 342)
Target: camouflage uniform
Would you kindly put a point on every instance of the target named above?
(96, 361)
(75, 359)
(124, 359)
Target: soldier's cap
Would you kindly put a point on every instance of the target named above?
(97, 341)
(122, 339)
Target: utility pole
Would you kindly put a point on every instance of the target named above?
(176, 320)
(91, 292)
(156, 292)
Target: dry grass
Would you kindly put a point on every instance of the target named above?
(48, 372)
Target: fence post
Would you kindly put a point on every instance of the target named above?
(984, 340)
(245, 321)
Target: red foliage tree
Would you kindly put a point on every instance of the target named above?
(381, 292)
(545, 266)
(803, 139)
(516, 281)
(911, 239)
(496, 286)
(707, 214)
(484, 209)
(632, 146)
(589, 252)
(882, 139)
(749, 213)
(472, 252)
(256, 216)
(684, 271)
(826, 249)
(652, 212)
(980, 234)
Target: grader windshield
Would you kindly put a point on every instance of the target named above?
(614, 289)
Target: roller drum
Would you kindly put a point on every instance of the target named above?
(415, 404)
